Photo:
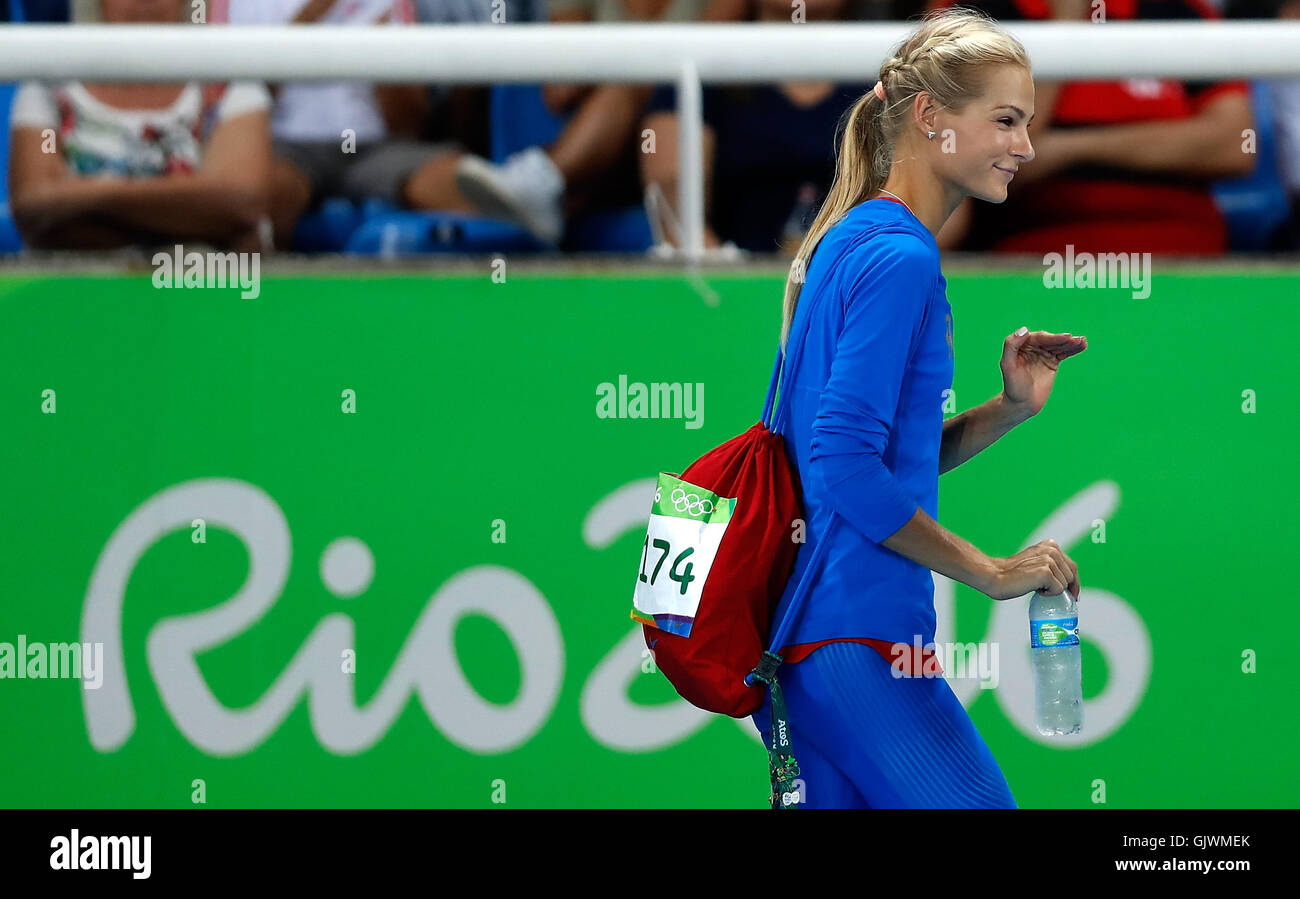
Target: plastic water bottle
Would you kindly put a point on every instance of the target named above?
(1054, 655)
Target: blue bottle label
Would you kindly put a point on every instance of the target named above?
(1045, 633)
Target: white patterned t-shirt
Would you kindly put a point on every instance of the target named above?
(99, 139)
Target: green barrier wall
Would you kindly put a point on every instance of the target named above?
(493, 660)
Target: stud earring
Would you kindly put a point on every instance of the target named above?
(930, 135)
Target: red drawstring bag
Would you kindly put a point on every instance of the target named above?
(718, 552)
(726, 637)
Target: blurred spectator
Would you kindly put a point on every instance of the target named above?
(34, 11)
(348, 139)
(593, 163)
(99, 166)
(1286, 105)
(1120, 166)
(1285, 93)
(455, 12)
(461, 113)
(769, 155)
(883, 10)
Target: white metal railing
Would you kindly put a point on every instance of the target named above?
(687, 55)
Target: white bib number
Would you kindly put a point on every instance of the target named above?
(682, 538)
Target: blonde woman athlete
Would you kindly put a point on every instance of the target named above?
(869, 357)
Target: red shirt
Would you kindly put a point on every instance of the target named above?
(1104, 209)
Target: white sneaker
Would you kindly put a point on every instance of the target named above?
(526, 189)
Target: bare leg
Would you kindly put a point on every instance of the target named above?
(433, 186)
(290, 197)
(599, 130)
(661, 167)
(559, 97)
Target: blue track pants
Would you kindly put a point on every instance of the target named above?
(866, 739)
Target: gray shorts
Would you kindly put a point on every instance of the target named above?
(377, 169)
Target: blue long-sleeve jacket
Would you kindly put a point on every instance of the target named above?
(865, 421)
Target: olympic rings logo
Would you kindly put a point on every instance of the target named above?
(690, 503)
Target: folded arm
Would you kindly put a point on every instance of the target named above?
(225, 199)
(1209, 144)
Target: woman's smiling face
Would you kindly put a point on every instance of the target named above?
(980, 148)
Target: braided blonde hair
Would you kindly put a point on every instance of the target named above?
(946, 56)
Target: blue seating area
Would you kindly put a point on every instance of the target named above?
(397, 232)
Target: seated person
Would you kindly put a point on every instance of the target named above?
(462, 113)
(769, 155)
(1285, 96)
(1120, 166)
(102, 166)
(348, 139)
(34, 10)
(593, 163)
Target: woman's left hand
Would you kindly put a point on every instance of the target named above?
(1029, 363)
